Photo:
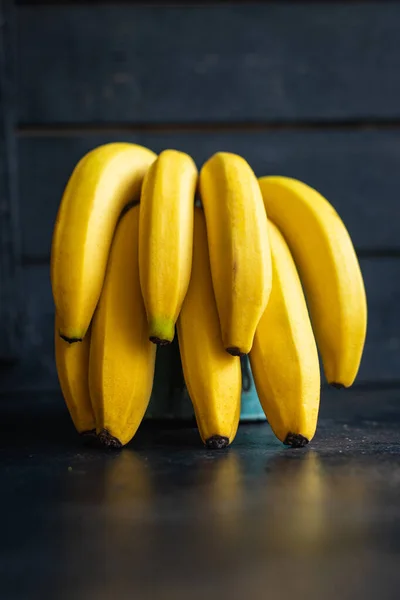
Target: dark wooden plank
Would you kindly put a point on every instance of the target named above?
(9, 247)
(358, 171)
(184, 2)
(244, 62)
(36, 368)
(381, 361)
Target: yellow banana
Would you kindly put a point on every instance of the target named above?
(102, 183)
(72, 362)
(212, 376)
(238, 244)
(121, 366)
(284, 357)
(166, 239)
(329, 271)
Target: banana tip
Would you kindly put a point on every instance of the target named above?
(217, 442)
(235, 351)
(338, 386)
(159, 341)
(296, 440)
(109, 441)
(70, 340)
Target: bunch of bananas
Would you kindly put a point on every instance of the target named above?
(133, 257)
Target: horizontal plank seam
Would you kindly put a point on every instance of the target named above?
(373, 254)
(76, 129)
(390, 384)
(170, 4)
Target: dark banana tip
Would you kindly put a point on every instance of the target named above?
(235, 351)
(109, 441)
(296, 440)
(338, 386)
(217, 442)
(70, 340)
(159, 341)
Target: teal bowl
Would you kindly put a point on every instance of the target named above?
(170, 399)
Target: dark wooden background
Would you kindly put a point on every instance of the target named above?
(310, 90)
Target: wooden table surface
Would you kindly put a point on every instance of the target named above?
(167, 519)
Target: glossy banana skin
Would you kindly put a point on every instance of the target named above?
(72, 362)
(329, 271)
(102, 183)
(122, 359)
(239, 249)
(284, 357)
(212, 376)
(166, 240)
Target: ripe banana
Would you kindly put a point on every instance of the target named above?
(284, 357)
(102, 183)
(122, 359)
(72, 362)
(166, 240)
(329, 271)
(239, 249)
(212, 376)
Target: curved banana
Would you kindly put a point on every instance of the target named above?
(72, 362)
(238, 244)
(212, 376)
(166, 239)
(102, 183)
(329, 271)
(284, 357)
(122, 359)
